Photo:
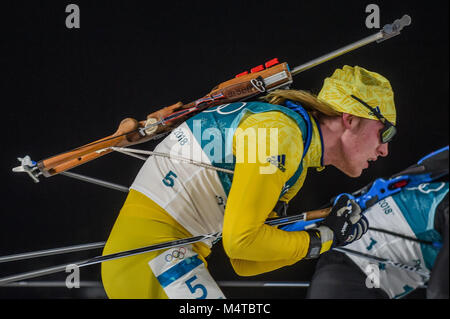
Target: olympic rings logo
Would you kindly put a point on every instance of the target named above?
(219, 109)
(176, 254)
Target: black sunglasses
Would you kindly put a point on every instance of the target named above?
(389, 130)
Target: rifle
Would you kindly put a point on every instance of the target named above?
(428, 169)
(261, 79)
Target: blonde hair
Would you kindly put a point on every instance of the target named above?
(309, 101)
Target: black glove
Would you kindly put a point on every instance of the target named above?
(345, 221)
(358, 229)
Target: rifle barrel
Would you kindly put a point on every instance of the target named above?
(387, 32)
(336, 53)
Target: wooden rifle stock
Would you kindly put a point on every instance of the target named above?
(234, 90)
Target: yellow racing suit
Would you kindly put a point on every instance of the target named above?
(195, 201)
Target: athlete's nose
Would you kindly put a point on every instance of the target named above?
(383, 150)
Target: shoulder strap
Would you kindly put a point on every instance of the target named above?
(281, 206)
(297, 107)
(307, 136)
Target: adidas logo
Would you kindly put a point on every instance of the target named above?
(279, 161)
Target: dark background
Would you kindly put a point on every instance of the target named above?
(66, 87)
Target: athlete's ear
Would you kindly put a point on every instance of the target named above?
(350, 121)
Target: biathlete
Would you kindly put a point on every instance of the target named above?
(268, 147)
(410, 228)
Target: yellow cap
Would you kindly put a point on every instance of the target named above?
(371, 87)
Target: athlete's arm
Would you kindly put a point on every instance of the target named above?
(252, 268)
(253, 196)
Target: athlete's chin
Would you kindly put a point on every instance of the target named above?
(353, 172)
(354, 175)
